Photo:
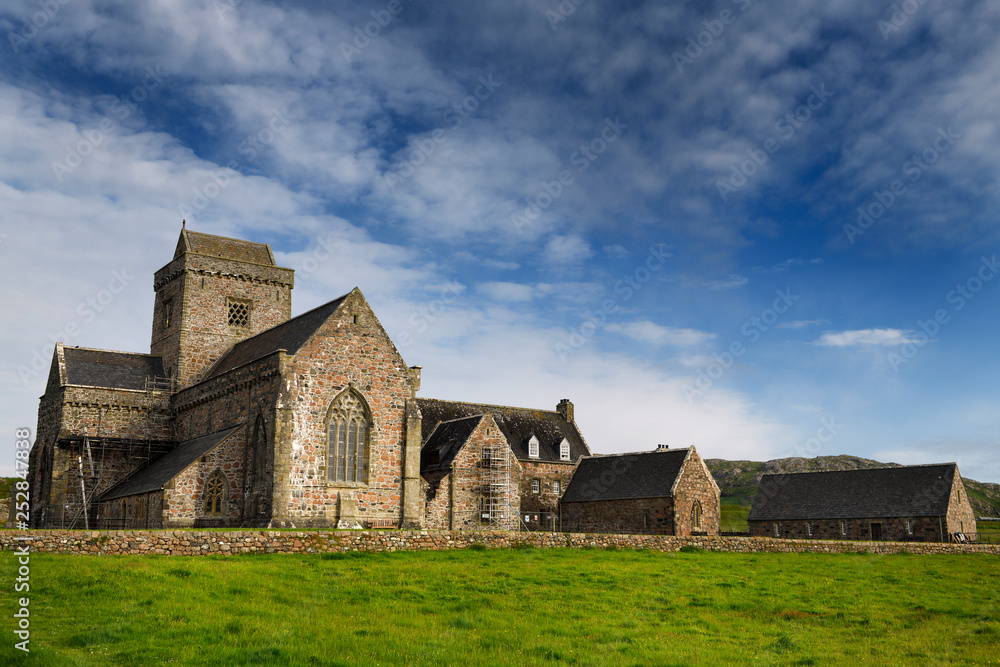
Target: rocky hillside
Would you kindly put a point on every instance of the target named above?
(738, 479)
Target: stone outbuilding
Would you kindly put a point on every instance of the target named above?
(663, 492)
(520, 474)
(923, 503)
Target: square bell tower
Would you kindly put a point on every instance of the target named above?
(215, 292)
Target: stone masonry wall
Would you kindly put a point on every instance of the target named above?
(223, 402)
(696, 485)
(456, 503)
(197, 288)
(125, 429)
(437, 512)
(115, 413)
(197, 543)
(350, 350)
(925, 529)
(960, 518)
(649, 516)
(184, 501)
(545, 504)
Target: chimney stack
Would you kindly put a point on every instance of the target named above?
(662, 448)
(565, 408)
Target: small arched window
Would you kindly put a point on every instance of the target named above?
(696, 516)
(215, 493)
(348, 437)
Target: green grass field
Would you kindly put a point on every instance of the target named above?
(520, 606)
(733, 517)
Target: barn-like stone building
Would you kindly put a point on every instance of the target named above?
(242, 415)
(662, 492)
(923, 503)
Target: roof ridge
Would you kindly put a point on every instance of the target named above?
(100, 349)
(896, 467)
(651, 451)
(487, 405)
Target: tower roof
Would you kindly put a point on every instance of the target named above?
(224, 247)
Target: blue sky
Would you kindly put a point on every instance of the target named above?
(763, 229)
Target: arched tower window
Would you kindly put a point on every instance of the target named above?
(215, 493)
(348, 436)
(696, 516)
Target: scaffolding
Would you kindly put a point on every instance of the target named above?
(497, 511)
(146, 429)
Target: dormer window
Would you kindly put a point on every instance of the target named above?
(533, 448)
(564, 450)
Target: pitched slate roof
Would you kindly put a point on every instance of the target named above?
(619, 476)
(517, 425)
(227, 248)
(289, 336)
(155, 474)
(105, 368)
(906, 491)
(447, 441)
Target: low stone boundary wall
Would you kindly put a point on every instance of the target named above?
(193, 543)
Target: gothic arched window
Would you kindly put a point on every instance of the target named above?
(348, 433)
(696, 516)
(215, 493)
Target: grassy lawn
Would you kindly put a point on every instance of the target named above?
(989, 531)
(733, 517)
(522, 606)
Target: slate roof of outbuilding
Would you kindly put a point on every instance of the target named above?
(447, 441)
(906, 491)
(105, 368)
(222, 246)
(517, 425)
(289, 336)
(621, 476)
(155, 474)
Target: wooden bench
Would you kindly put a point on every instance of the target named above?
(382, 524)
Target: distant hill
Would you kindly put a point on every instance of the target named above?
(738, 480)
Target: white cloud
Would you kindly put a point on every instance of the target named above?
(615, 251)
(801, 324)
(507, 291)
(733, 281)
(865, 337)
(650, 332)
(567, 249)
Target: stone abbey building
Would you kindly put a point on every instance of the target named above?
(242, 415)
